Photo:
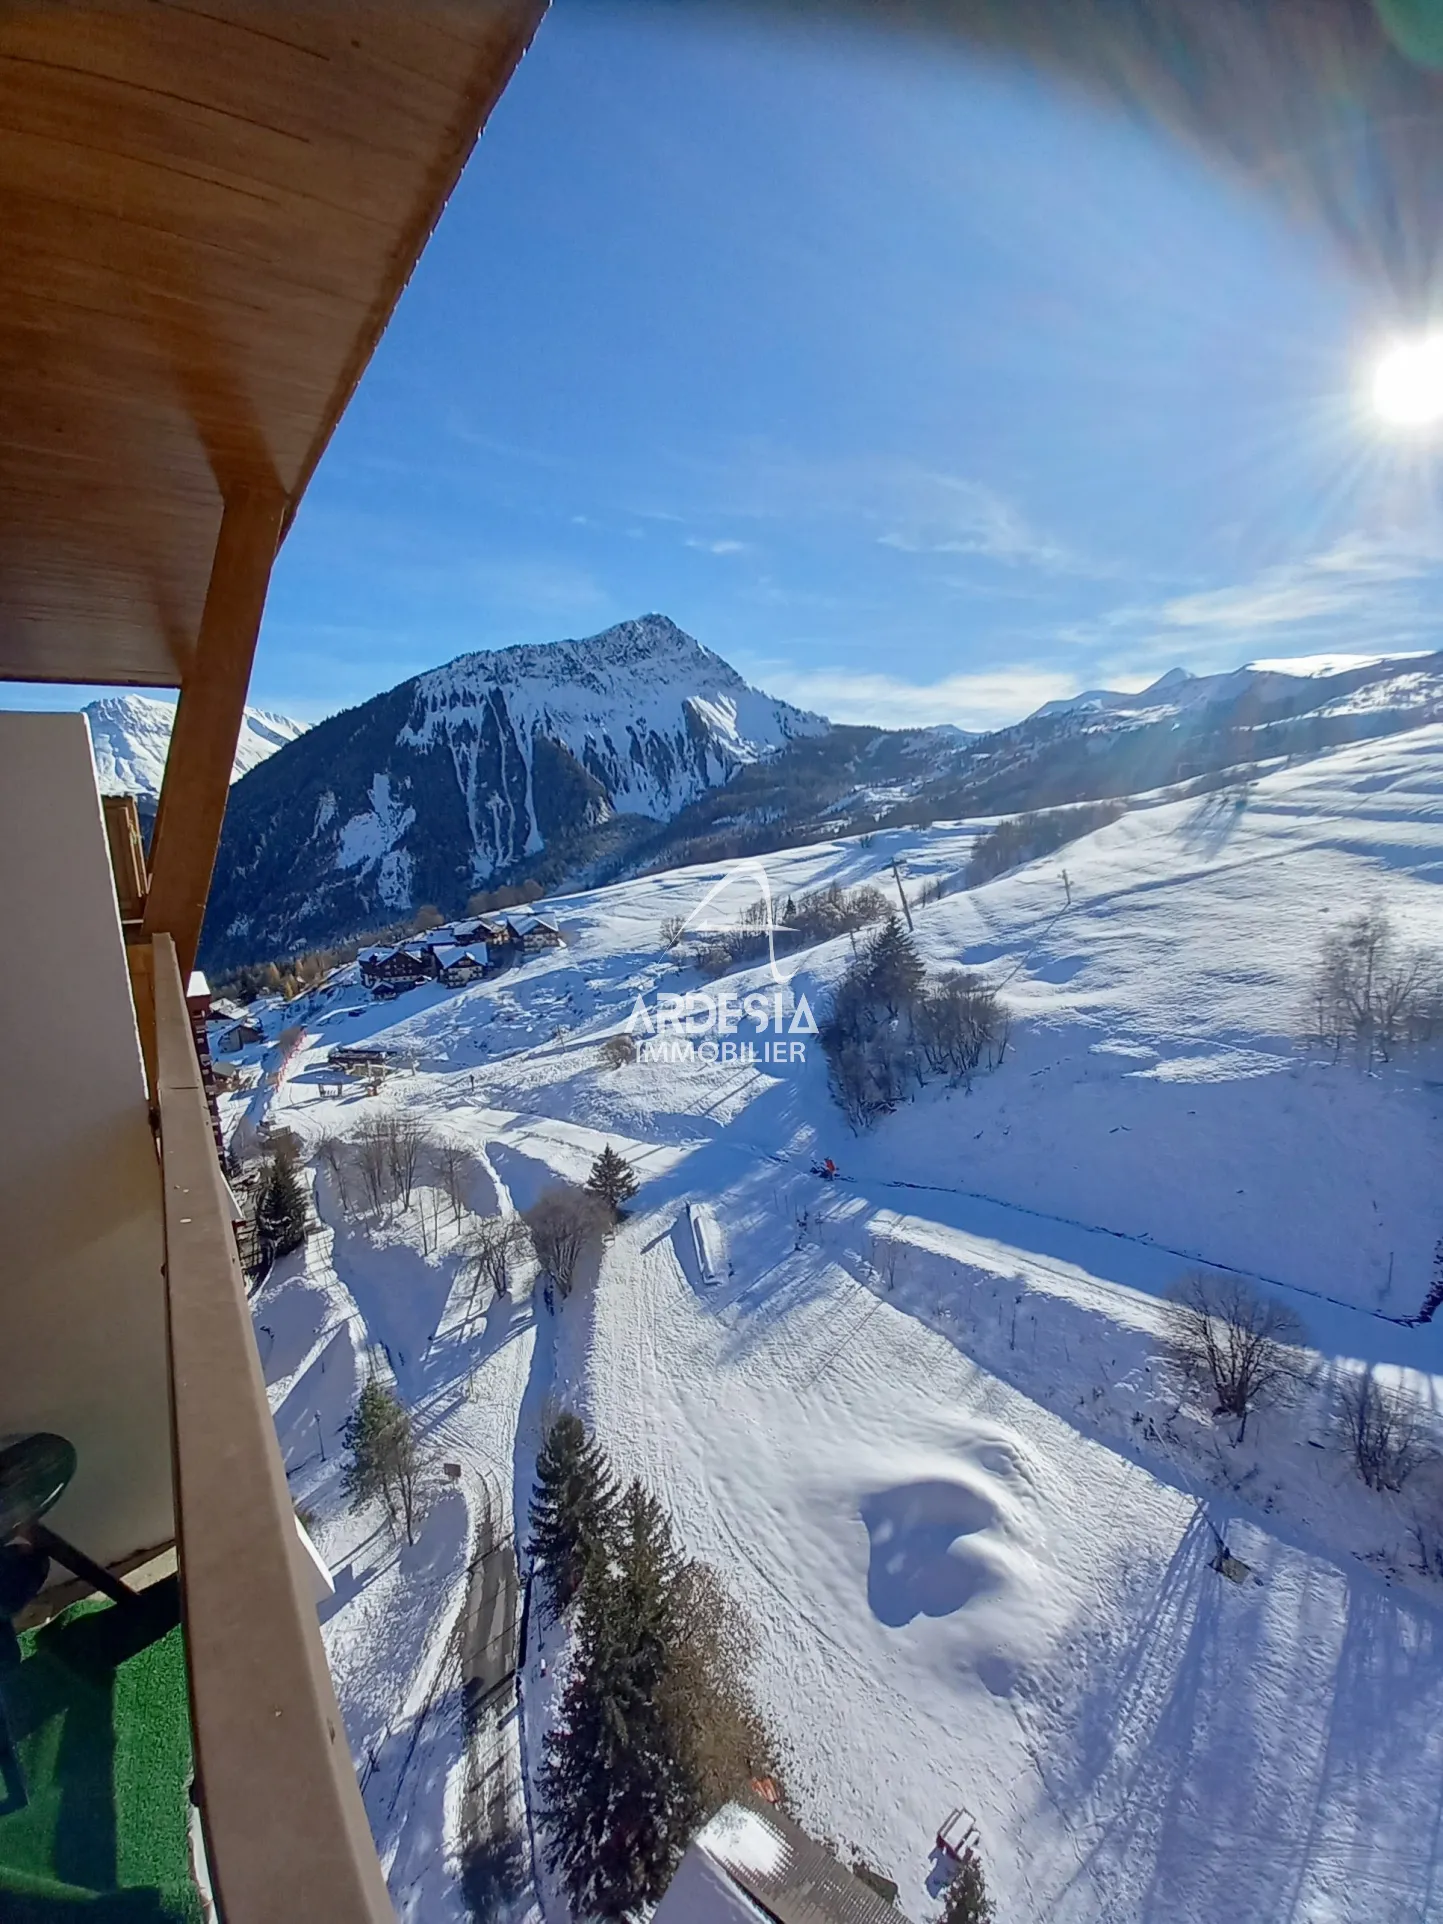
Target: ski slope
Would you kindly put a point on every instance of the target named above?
(918, 1417)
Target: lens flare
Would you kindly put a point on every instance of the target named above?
(1408, 383)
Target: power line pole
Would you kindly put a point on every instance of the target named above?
(901, 891)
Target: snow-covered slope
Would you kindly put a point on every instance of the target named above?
(130, 734)
(922, 1419)
(456, 778)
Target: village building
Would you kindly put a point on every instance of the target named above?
(750, 1864)
(460, 963)
(240, 1035)
(533, 933)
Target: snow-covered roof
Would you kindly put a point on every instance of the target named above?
(449, 954)
(196, 985)
(789, 1874)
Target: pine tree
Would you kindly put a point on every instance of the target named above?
(281, 1205)
(895, 971)
(967, 1901)
(573, 1508)
(618, 1795)
(385, 1462)
(613, 1179)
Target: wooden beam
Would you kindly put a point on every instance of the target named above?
(286, 1832)
(208, 722)
(127, 855)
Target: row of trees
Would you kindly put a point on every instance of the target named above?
(657, 1726)
(1373, 995)
(887, 1026)
(801, 922)
(1245, 1350)
(1026, 838)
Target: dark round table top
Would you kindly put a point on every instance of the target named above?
(34, 1472)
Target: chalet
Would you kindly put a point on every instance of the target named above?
(240, 1035)
(460, 963)
(392, 971)
(750, 1863)
(533, 933)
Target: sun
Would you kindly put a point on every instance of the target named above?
(1408, 383)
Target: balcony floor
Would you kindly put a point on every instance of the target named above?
(99, 1712)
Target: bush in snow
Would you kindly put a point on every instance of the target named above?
(833, 911)
(1373, 994)
(617, 1051)
(960, 1023)
(1237, 1342)
(967, 1901)
(385, 1461)
(1384, 1431)
(573, 1509)
(612, 1181)
(564, 1223)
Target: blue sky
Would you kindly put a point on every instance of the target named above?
(917, 388)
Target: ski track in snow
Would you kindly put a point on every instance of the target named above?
(918, 1419)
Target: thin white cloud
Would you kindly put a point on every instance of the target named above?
(990, 698)
(1352, 578)
(718, 547)
(904, 505)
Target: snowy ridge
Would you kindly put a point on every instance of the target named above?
(130, 736)
(1391, 682)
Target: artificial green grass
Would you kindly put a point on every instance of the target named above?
(100, 1718)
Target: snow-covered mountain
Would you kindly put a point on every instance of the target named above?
(130, 734)
(651, 715)
(1177, 691)
(455, 779)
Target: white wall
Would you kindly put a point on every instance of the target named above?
(82, 1310)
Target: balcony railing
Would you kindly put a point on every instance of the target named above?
(285, 1829)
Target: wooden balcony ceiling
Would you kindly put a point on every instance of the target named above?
(210, 209)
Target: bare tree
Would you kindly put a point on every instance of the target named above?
(565, 1223)
(332, 1152)
(452, 1160)
(673, 928)
(409, 1143)
(1235, 1340)
(373, 1159)
(1384, 1430)
(1372, 992)
(618, 1050)
(494, 1247)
